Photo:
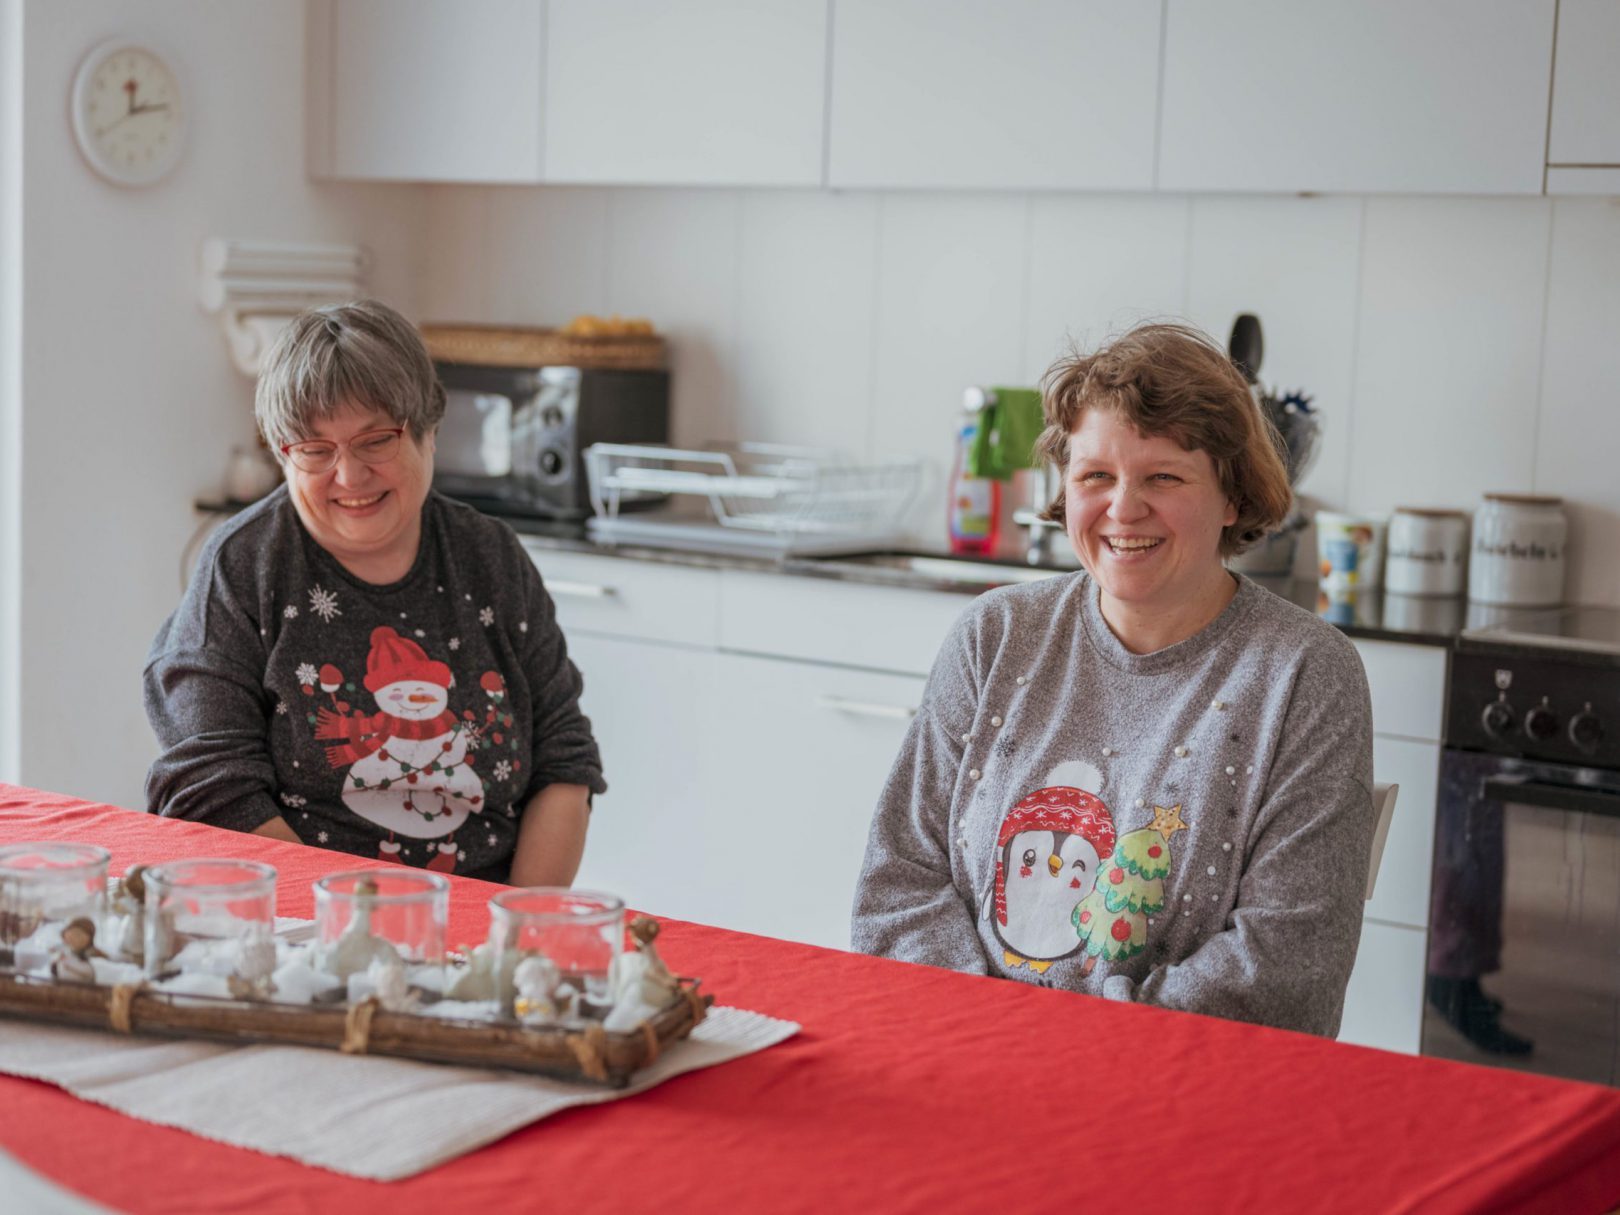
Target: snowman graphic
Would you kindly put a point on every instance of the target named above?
(409, 767)
(1048, 852)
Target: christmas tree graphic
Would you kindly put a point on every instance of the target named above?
(1112, 919)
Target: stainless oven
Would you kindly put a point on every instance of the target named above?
(1524, 935)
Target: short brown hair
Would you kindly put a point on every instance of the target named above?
(1172, 380)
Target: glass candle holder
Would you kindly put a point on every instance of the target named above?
(579, 934)
(43, 888)
(364, 916)
(214, 917)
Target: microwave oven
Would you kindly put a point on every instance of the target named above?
(513, 438)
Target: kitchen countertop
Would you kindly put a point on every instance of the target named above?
(1372, 614)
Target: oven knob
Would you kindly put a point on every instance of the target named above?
(1498, 718)
(1585, 731)
(551, 462)
(1541, 723)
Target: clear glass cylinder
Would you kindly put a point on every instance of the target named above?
(364, 916)
(43, 888)
(211, 916)
(577, 934)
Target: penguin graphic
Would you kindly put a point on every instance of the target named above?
(1048, 850)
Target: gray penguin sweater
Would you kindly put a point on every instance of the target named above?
(1188, 828)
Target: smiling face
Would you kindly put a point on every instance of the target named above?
(1145, 518)
(413, 699)
(368, 516)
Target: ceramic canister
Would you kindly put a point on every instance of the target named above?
(1427, 552)
(1518, 551)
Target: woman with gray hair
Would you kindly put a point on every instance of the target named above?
(360, 663)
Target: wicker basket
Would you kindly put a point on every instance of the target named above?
(506, 346)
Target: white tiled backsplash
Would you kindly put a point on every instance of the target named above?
(1454, 345)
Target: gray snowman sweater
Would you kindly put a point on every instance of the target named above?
(411, 721)
(1188, 828)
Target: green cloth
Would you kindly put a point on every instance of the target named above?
(1008, 428)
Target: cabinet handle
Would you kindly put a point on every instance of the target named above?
(866, 708)
(580, 590)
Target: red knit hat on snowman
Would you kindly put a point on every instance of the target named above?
(392, 659)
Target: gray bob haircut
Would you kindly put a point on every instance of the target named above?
(343, 355)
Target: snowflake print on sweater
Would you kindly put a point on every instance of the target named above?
(324, 604)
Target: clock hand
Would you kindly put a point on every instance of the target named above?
(148, 106)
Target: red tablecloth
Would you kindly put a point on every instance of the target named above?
(909, 1089)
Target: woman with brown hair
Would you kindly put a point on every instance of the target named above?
(1150, 780)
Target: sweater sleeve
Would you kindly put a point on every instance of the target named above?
(563, 748)
(1285, 956)
(209, 709)
(906, 905)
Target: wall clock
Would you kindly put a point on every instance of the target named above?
(128, 114)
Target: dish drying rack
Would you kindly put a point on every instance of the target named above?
(755, 498)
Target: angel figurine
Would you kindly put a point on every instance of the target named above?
(71, 960)
(642, 984)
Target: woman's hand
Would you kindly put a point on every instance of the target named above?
(277, 829)
(551, 837)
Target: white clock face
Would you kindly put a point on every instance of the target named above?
(127, 113)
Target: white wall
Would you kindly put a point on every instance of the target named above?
(126, 404)
(11, 77)
(1454, 345)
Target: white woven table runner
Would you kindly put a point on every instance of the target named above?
(366, 1116)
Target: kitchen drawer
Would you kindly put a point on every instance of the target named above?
(1401, 895)
(856, 625)
(620, 597)
(1383, 1006)
(1408, 684)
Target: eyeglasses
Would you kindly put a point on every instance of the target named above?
(369, 447)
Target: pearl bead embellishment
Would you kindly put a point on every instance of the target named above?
(973, 773)
(1181, 752)
(995, 721)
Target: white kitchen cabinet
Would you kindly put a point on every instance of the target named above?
(1024, 94)
(1383, 1006)
(649, 709)
(424, 90)
(803, 751)
(1408, 687)
(1362, 96)
(877, 627)
(1586, 87)
(647, 600)
(704, 92)
(1401, 894)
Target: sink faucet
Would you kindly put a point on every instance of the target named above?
(1041, 531)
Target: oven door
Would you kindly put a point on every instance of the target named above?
(1524, 933)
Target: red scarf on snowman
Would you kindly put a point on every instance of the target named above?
(371, 733)
(392, 658)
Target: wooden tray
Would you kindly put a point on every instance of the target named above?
(572, 1053)
(505, 346)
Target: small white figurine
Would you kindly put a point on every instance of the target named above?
(384, 979)
(250, 978)
(541, 996)
(71, 960)
(356, 949)
(642, 985)
(127, 915)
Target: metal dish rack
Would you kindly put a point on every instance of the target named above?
(755, 498)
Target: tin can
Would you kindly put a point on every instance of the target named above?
(1518, 551)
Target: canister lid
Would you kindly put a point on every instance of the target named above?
(1431, 512)
(1524, 499)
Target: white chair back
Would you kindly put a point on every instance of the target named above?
(1384, 804)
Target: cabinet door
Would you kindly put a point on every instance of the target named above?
(649, 709)
(705, 92)
(1356, 95)
(426, 90)
(1023, 94)
(1586, 85)
(803, 751)
(1383, 1006)
(1401, 894)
